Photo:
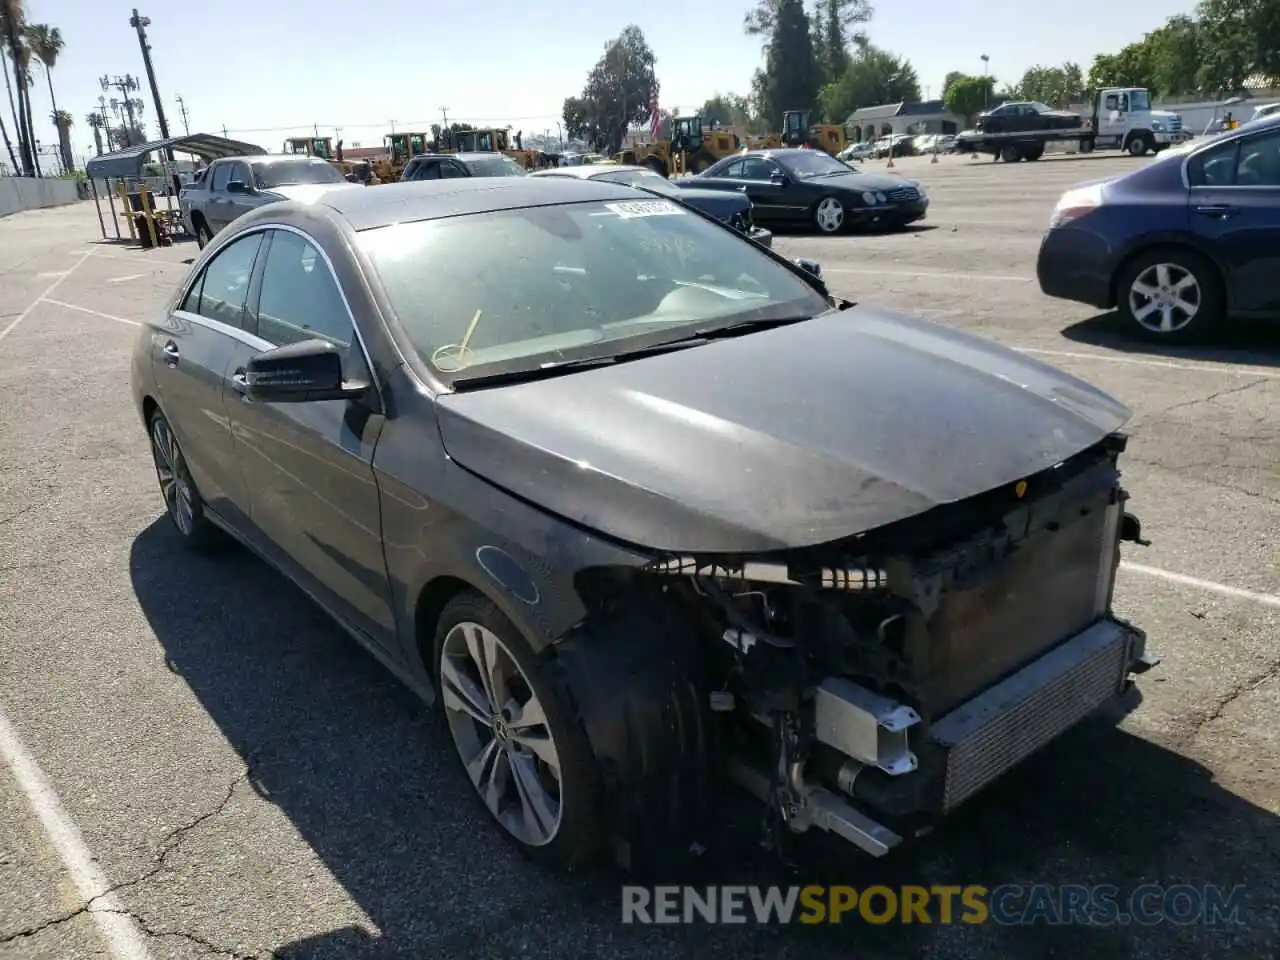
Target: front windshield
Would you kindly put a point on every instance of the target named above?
(645, 179)
(1039, 107)
(291, 172)
(518, 290)
(496, 167)
(1139, 100)
(805, 164)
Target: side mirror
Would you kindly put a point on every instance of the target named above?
(299, 373)
(238, 186)
(809, 266)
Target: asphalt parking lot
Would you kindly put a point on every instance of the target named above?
(194, 762)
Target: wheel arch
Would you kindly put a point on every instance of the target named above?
(1173, 242)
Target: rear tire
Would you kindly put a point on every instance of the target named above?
(203, 233)
(513, 726)
(1034, 152)
(1170, 295)
(1086, 145)
(1010, 154)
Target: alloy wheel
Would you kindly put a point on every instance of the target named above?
(1165, 297)
(175, 481)
(501, 732)
(829, 215)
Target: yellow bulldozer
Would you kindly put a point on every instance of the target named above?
(401, 148)
(323, 148)
(797, 132)
(490, 140)
(691, 149)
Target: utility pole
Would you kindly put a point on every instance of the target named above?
(444, 114)
(182, 108)
(224, 132)
(393, 126)
(140, 24)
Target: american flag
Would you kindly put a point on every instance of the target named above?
(655, 117)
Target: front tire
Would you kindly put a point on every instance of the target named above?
(1138, 145)
(516, 734)
(1170, 296)
(182, 500)
(828, 216)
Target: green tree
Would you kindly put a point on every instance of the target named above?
(1176, 56)
(790, 66)
(1130, 67)
(1056, 86)
(835, 40)
(97, 124)
(1238, 39)
(873, 77)
(967, 96)
(617, 95)
(951, 78)
(46, 44)
(727, 109)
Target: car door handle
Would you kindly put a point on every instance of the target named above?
(240, 383)
(1219, 211)
(171, 353)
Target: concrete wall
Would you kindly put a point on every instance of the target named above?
(33, 193)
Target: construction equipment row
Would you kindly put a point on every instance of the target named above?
(691, 149)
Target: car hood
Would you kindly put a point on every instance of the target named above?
(783, 438)
(861, 180)
(308, 192)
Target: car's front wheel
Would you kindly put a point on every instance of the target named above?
(828, 215)
(1170, 295)
(516, 734)
(182, 501)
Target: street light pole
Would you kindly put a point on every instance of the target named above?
(140, 24)
(986, 87)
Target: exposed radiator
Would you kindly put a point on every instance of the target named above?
(1004, 725)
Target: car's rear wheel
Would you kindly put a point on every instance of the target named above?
(828, 215)
(516, 734)
(1034, 152)
(1011, 154)
(1170, 295)
(182, 500)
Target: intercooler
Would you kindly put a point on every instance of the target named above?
(1005, 724)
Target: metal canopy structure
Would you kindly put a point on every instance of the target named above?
(130, 162)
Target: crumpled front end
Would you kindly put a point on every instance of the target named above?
(873, 686)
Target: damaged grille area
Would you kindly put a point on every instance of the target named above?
(1006, 724)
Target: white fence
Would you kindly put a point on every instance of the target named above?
(33, 193)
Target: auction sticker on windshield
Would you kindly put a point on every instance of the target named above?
(631, 209)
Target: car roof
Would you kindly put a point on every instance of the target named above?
(404, 202)
(472, 155)
(270, 158)
(780, 152)
(587, 171)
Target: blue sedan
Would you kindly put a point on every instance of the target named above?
(1178, 245)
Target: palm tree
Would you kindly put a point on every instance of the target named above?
(46, 43)
(19, 124)
(24, 100)
(11, 19)
(62, 122)
(96, 123)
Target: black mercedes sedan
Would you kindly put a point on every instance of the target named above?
(732, 208)
(812, 187)
(606, 484)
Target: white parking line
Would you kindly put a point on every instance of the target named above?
(1239, 370)
(34, 303)
(124, 940)
(126, 277)
(92, 313)
(169, 264)
(928, 274)
(1238, 593)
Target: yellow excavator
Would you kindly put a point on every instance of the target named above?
(490, 140)
(323, 148)
(691, 149)
(797, 132)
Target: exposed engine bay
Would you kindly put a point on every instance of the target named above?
(870, 687)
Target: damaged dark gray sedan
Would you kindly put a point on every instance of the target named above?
(644, 508)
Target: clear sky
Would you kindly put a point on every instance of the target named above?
(272, 68)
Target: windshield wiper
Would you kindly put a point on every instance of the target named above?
(555, 368)
(760, 323)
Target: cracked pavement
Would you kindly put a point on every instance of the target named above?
(253, 785)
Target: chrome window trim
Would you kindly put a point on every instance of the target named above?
(256, 342)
